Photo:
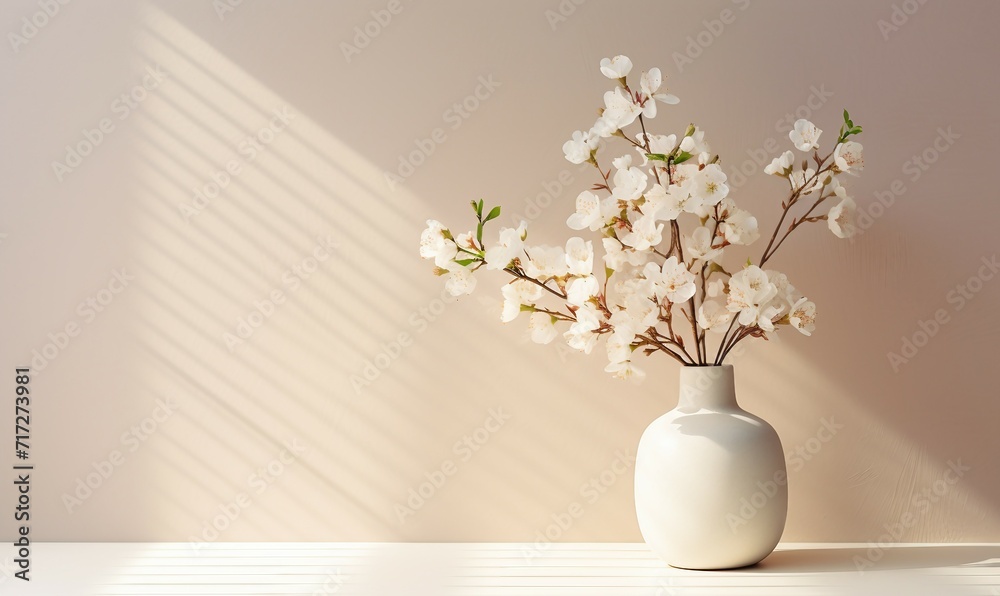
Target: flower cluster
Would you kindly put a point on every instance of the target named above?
(665, 220)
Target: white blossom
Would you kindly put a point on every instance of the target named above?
(830, 182)
(768, 313)
(680, 174)
(619, 346)
(466, 240)
(849, 157)
(781, 165)
(641, 311)
(699, 244)
(643, 281)
(671, 280)
(577, 149)
(622, 163)
(637, 285)
(579, 256)
(803, 316)
(434, 245)
(645, 234)
(662, 144)
(581, 290)
(749, 291)
(666, 204)
(619, 109)
(630, 182)
(739, 227)
(616, 256)
(695, 143)
(542, 328)
(580, 335)
(626, 371)
(603, 128)
(588, 213)
(715, 288)
(516, 293)
(840, 219)
(708, 185)
(460, 281)
(545, 262)
(785, 290)
(803, 181)
(509, 246)
(617, 67)
(713, 316)
(649, 85)
(805, 135)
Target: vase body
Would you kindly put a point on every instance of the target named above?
(710, 482)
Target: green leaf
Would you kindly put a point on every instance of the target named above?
(749, 262)
(466, 262)
(474, 253)
(608, 272)
(479, 233)
(474, 207)
(682, 157)
(494, 213)
(847, 116)
(657, 156)
(528, 308)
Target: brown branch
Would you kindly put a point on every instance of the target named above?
(542, 285)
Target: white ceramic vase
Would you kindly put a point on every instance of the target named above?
(710, 482)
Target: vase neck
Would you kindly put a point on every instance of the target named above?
(707, 387)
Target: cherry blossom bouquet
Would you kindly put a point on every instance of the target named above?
(664, 287)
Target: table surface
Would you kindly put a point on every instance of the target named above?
(493, 569)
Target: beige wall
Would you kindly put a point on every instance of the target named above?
(216, 419)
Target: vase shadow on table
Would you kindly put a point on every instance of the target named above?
(897, 557)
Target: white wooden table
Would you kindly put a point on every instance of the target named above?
(70, 569)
